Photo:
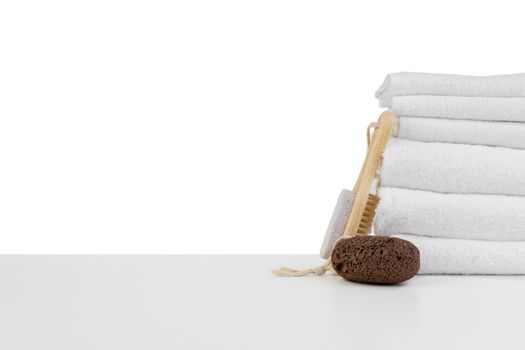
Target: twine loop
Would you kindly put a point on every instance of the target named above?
(288, 272)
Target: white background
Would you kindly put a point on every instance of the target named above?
(208, 126)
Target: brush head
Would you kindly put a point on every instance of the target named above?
(340, 217)
(365, 225)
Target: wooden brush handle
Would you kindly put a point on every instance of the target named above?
(369, 171)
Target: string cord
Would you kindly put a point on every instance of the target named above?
(284, 271)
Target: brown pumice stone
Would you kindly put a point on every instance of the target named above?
(375, 259)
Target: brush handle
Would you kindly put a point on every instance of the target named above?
(369, 171)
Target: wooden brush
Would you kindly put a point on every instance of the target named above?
(363, 204)
(355, 210)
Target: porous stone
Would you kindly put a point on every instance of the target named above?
(375, 259)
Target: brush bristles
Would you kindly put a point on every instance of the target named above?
(365, 225)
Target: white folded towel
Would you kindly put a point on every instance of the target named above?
(461, 256)
(458, 107)
(406, 83)
(462, 216)
(505, 134)
(453, 168)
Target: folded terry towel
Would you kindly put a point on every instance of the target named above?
(461, 256)
(463, 216)
(453, 168)
(406, 83)
(473, 132)
(458, 107)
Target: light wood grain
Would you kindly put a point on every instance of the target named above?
(363, 211)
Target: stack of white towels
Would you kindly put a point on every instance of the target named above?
(452, 180)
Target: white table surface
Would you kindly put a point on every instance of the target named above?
(233, 302)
